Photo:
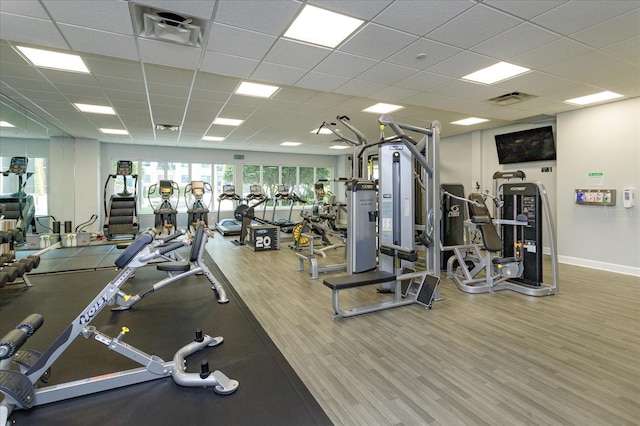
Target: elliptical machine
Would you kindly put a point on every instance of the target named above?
(19, 205)
(165, 213)
(199, 211)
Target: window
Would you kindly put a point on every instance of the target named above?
(223, 176)
(250, 176)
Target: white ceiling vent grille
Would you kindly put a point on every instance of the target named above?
(510, 98)
(168, 26)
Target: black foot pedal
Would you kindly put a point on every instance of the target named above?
(17, 387)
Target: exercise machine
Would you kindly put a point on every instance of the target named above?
(257, 197)
(158, 248)
(285, 195)
(166, 211)
(19, 206)
(511, 259)
(19, 387)
(453, 207)
(228, 226)
(393, 207)
(121, 214)
(198, 204)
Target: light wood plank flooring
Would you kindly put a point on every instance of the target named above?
(487, 359)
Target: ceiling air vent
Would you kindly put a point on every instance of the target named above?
(168, 26)
(510, 98)
(171, 127)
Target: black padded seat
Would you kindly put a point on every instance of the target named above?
(359, 280)
(183, 266)
(503, 260)
(490, 237)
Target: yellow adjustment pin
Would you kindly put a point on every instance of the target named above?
(124, 330)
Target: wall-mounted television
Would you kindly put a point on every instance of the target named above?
(527, 145)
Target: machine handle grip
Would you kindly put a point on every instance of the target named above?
(31, 324)
(11, 342)
(173, 236)
(170, 247)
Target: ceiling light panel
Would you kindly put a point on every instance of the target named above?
(321, 131)
(6, 124)
(494, 73)
(339, 147)
(213, 138)
(291, 143)
(53, 60)
(114, 131)
(382, 108)
(322, 27)
(227, 121)
(95, 109)
(469, 121)
(257, 90)
(594, 98)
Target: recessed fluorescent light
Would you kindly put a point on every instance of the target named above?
(6, 124)
(257, 90)
(213, 138)
(323, 27)
(494, 73)
(114, 131)
(382, 108)
(227, 121)
(95, 109)
(596, 97)
(291, 143)
(469, 121)
(54, 60)
(322, 131)
(339, 147)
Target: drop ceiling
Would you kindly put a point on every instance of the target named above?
(407, 52)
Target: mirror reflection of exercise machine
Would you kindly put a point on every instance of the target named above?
(121, 217)
(19, 206)
(512, 258)
(167, 211)
(198, 203)
(228, 226)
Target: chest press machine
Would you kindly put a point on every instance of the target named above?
(19, 386)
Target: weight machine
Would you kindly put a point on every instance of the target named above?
(395, 216)
(19, 387)
(167, 211)
(198, 213)
(121, 217)
(511, 254)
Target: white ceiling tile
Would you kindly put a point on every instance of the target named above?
(610, 76)
(524, 9)
(111, 68)
(79, 13)
(23, 70)
(278, 74)
(550, 53)
(515, 41)
(537, 83)
(327, 100)
(577, 15)
(122, 87)
(295, 95)
(394, 94)
(628, 50)
(172, 76)
(321, 81)
(613, 31)
(168, 90)
(104, 43)
(462, 64)
(574, 65)
(454, 88)
(239, 42)
(294, 54)
(344, 64)
(378, 42)
(387, 73)
(423, 81)
(421, 17)
(251, 14)
(436, 52)
(215, 82)
(169, 54)
(30, 30)
(474, 26)
(360, 88)
(32, 9)
(68, 77)
(221, 63)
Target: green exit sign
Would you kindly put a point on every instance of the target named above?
(238, 156)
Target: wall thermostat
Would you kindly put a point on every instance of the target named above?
(628, 197)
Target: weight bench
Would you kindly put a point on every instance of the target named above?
(416, 291)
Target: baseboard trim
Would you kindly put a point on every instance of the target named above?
(603, 266)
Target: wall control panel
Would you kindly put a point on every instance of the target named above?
(596, 197)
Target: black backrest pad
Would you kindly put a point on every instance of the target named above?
(197, 241)
(490, 237)
(143, 239)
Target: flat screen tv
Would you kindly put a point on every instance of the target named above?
(527, 145)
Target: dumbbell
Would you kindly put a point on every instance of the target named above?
(4, 278)
(6, 237)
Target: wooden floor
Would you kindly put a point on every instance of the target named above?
(486, 359)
